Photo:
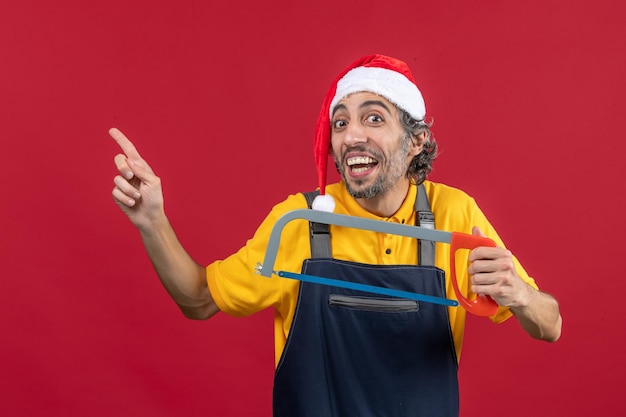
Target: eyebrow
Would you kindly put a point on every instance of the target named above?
(375, 103)
(364, 104)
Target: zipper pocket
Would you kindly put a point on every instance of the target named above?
(383, 305)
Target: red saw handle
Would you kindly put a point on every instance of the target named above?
(481, 305)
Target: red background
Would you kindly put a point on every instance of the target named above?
(221, 98)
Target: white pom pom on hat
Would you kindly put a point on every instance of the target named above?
(378, 74)
(324, 202)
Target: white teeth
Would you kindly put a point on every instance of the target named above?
(360, 160)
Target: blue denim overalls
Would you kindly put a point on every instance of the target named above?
(351, 353)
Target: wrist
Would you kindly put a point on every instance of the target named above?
(525, 298)
(154, 223)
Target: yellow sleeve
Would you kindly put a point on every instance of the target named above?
(235, 287)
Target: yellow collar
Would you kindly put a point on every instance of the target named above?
(405, 213)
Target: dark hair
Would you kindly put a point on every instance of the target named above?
(422, 164)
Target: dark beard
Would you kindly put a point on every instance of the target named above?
(381, 184)
(376, 189)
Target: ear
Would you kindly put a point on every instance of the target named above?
(417, 144)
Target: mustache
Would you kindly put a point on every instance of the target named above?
(377, 155)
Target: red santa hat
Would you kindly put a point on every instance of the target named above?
(378, 74)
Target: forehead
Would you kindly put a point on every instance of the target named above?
(362, 99)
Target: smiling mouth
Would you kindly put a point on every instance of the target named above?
(360, 164)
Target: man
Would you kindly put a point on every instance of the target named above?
(342, 352)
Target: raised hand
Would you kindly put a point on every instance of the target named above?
(138, 193)
(137, 189)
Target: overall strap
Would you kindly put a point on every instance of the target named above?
(425, 218)
(319, 232)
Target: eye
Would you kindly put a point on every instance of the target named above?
(374, 118)
(338, 124)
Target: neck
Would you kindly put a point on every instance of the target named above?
(386, 205)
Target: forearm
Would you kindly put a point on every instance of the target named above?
(539, 316)
(183, 278)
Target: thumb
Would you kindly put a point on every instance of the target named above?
(477, 232)
(142, 171)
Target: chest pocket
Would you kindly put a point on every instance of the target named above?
(376, 304)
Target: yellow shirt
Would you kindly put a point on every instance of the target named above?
(239, 292)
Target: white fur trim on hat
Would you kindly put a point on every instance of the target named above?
(392, 85)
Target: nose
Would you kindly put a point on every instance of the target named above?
(355, 134)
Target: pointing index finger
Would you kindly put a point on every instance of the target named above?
(125, 144)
